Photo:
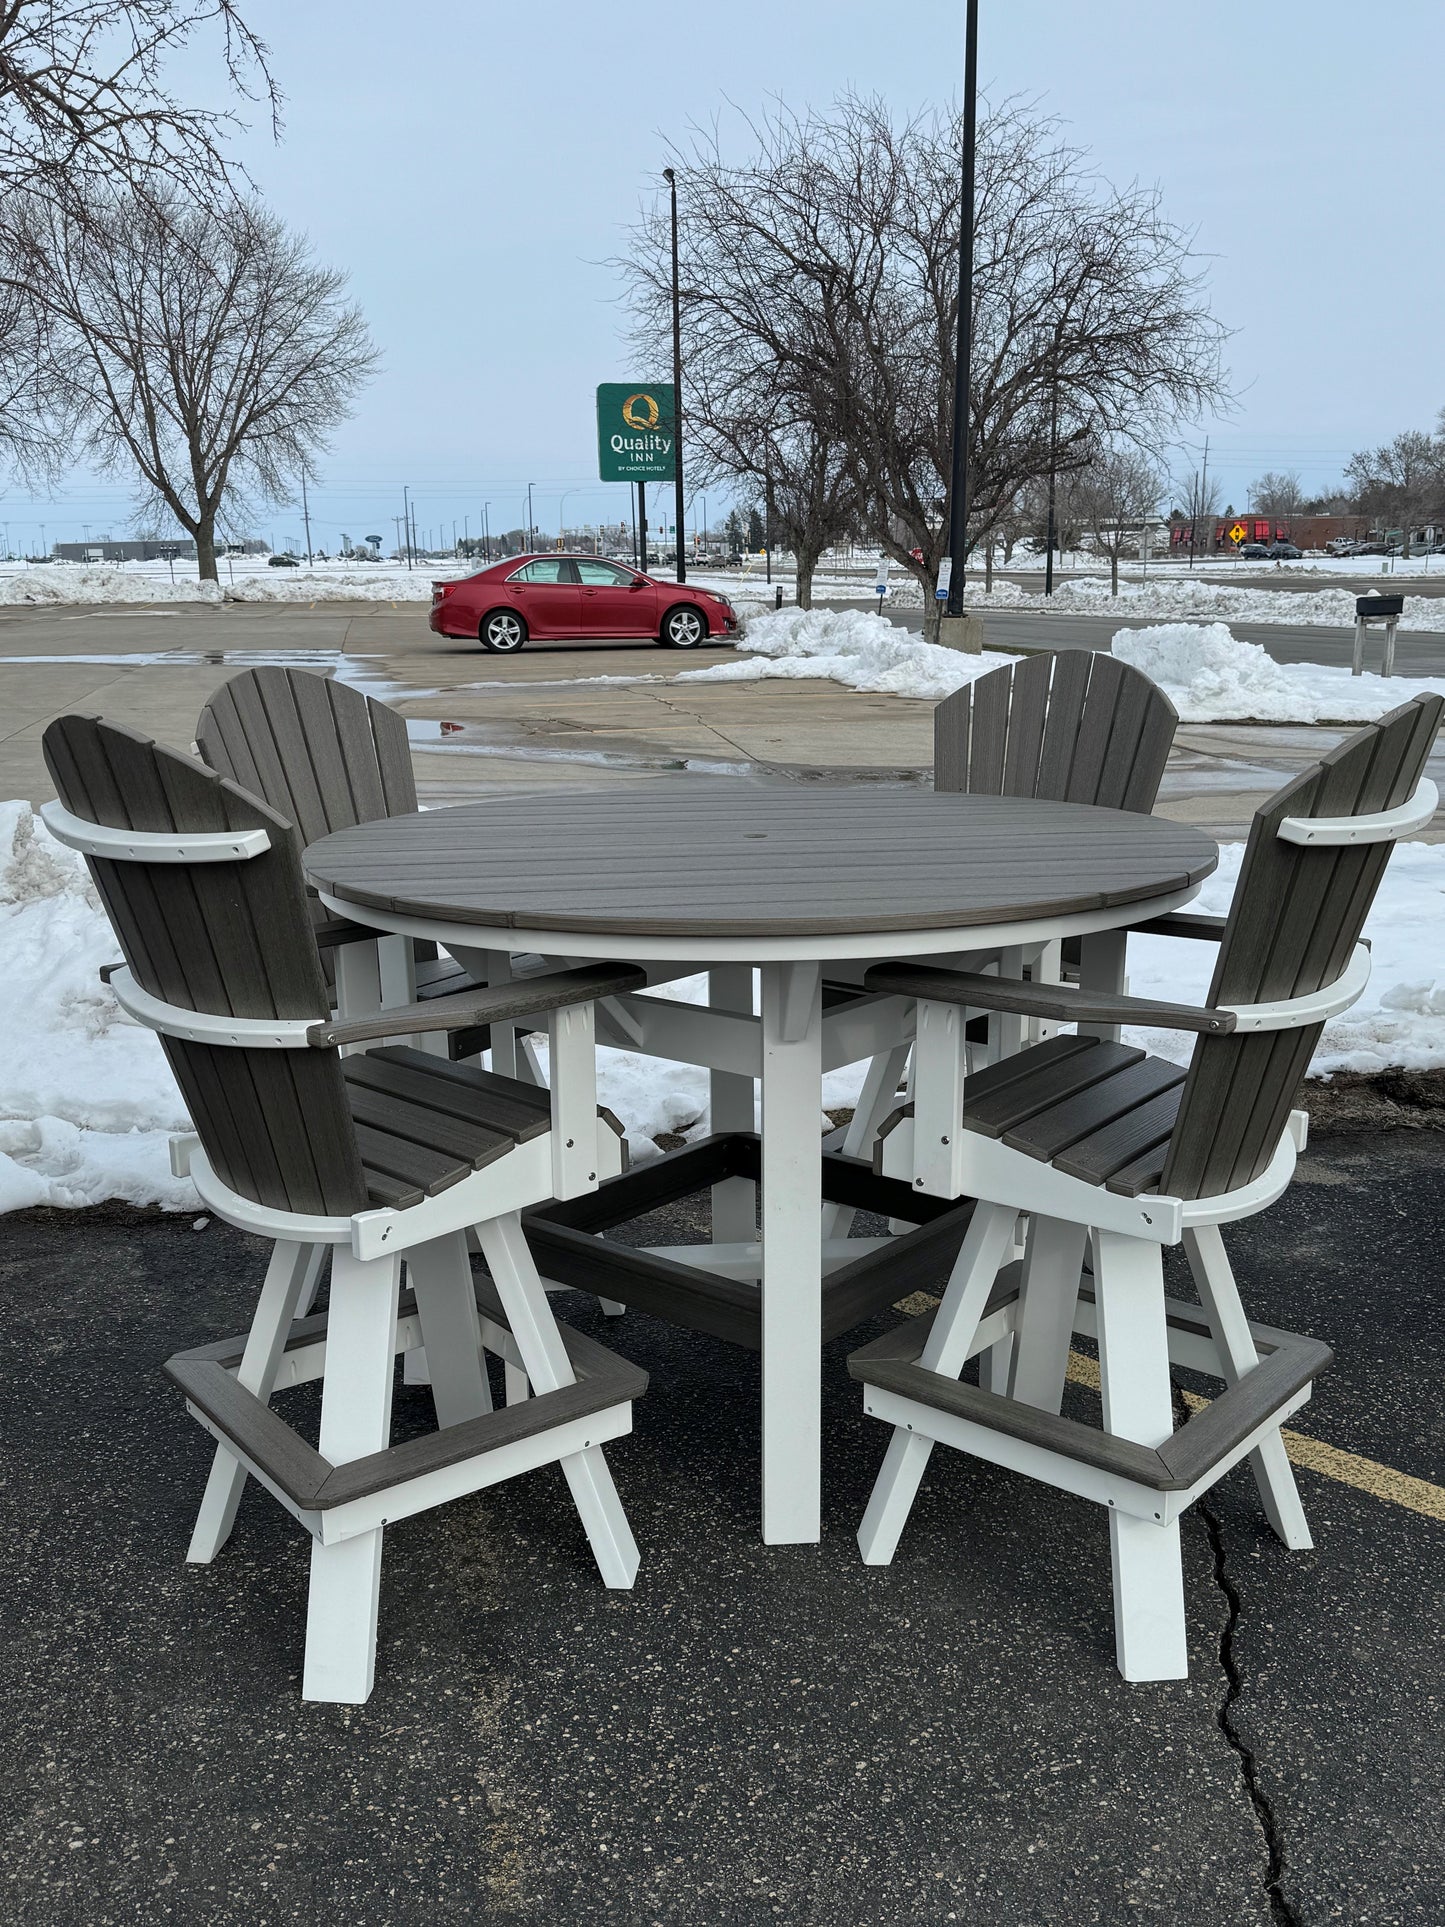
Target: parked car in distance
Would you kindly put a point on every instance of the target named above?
(559, 598)
(1285, 552)
(1255, 551)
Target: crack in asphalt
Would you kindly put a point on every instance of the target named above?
(1281, 1912)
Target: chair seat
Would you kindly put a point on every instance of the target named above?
(1096, 1110)
(423, 1123)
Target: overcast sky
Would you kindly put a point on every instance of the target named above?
(472, 167)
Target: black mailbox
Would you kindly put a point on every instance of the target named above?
(1379, 605)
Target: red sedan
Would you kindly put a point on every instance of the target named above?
(557, 598)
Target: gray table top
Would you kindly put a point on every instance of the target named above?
(694, 857)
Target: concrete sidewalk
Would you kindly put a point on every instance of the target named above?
(754, 1733)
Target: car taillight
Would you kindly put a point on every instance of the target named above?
(438, 590)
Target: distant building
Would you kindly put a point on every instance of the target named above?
(1218, 533)
(147, 551)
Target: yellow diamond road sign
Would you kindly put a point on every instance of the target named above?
(1237, 533)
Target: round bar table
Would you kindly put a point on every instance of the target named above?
(719, 874)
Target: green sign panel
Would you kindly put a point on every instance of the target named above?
(636, 441)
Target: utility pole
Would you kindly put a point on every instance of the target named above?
(306, 517)
(529, 518)
(768, 519)
(960, 633)
(681, 571)
(406, 519)
(642, 523)
(1053, 475)
(487, 530)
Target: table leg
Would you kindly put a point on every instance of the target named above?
(1101, 967)
(735, 1200)
(792, 1038)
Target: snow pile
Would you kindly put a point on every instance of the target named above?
(62, 584)
(86, 1098)
(1175, 597)
(850, 646)
(87, 1101)
(1399, 1022)
(1211, 676)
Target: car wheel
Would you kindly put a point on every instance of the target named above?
(503, 632)
(684, 627)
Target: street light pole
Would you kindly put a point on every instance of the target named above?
(406, 519)
(529, 518)
(671, 178)
(1053, 476)
(306, 517)
(487, 530)
(958, 481)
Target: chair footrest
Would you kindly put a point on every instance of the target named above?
(891, 1364)
(313, 1484)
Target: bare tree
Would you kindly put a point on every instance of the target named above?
(85, 103)
(1117, 493)
(825, 269)
(201, 345)
(84, 94)
(1403, 479)
(1200, 507)
(1279, 496)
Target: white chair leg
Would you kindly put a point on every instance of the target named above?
(345, 1585)
(516, 1384)
(954, 1324)
(1238, 1354)
(732, 1103)
(995, 1366)
(546, 1364)
(612, 1307)
(891, 1500)
(1048, 1296)
(1149, 1630)
(441, 1277)
(290, 1278)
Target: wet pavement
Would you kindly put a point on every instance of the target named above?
(569, 713)
(753, 1733)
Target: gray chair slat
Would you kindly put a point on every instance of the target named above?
(401, 1162)
(1051, 1131)
(1119, 1144)
(356, 738)
(1069, 687)
(1107, 679)
(470, 1145)
(1144, 1174)
(1038, 1087)
(1027, 709)
(1297, 914)
(503, 1104)
(310, 697)
(1127, 729)
(988, 733)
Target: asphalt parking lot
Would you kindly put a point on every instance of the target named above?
(753, 1733)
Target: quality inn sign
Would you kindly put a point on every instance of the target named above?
(636, 434)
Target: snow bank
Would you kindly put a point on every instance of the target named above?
(86, 1097)
(64, 585)
(850, 646)
(87, 1101)
(1211, 676)
(1183, 596)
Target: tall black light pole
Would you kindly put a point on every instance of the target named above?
(958, 482)
(670, 177)
(1052, 531)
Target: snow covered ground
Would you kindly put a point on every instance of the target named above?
(87, 1101)
(1208, 673)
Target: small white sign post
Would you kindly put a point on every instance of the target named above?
(945, 576)
(880, 583)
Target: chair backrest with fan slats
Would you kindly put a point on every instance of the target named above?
(1296, 917)
(321, 753)
(1074, 727)
(231, 938)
